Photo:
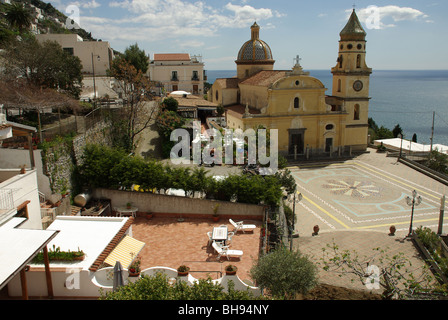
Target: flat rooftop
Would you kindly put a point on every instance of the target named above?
(171, 243)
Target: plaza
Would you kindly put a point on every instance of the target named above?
(366, 193)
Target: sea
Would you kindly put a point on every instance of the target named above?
(414, 99)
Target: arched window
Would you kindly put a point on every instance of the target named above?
(358, 61)
(356, 112)
(340, 61)
(216, 95)
(339, 85)
(296, 103)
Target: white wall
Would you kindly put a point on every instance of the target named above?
(24, 188)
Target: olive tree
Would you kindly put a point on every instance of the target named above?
(285, 273)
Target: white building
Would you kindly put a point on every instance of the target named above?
(177, 72)
(96, 56)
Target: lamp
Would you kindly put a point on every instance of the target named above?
(414, 201)
(296, 199)
(93, 73)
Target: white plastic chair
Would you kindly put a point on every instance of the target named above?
(225, 251)
(241, 226)
(209, 237)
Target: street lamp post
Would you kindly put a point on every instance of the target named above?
(401, 145)
(93, 73)
(296, 199)
(414, 201)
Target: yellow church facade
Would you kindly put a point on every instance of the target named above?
(308, 121)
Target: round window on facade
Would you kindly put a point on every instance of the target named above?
(297, 82)
(329, 127)
(350, 46)
(342, 46)
(359, 46)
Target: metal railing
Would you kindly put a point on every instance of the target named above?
(6, 199)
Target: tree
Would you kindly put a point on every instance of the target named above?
(137, 113)
(384, 133)
(397, 130)
(137, 57)
(414, 137)
(43, 65)
(285, 273)
(170, 104)
(437, 161)
(18, 16)
(392, 273)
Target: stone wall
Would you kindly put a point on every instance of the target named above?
(178, 206)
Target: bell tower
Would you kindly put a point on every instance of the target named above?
(351, 77)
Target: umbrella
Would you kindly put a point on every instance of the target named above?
(118, 276)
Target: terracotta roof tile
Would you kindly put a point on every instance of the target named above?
(171, 57)
(228, 83)
(264, 78)
(112, 244)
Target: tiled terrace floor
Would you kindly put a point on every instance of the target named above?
(170, 243)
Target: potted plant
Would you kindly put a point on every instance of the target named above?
(381, 148)
(183, 270)
(215, 212)
(316, 230)
(149, 215)
(134, 268)
(128, 205)
(230, 270)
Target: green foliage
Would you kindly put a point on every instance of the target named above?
(431, 241)
(437, 161)
(18, 16)
(167, 121)
(137, 57)
(104, 167)
(97, 163)
(55, 254)
(170, 104)
(384, 133)
(285, 273)
(157, 287)
(43, 65)
(397, 130)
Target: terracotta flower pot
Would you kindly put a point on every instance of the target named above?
(392, 230)
(316, 229)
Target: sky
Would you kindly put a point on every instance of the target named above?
(401, 35)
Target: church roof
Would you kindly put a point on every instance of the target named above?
(255, 49)
(264, 78)
(353, 29)
(228, 83)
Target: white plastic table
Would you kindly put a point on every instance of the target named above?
(219, 234)
(127, 211)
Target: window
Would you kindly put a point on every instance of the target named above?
(339, 85)
(69, 51)
(174, 76)
(358, 61)
(296, 103)
(195, 76)
(340, 61)
(356, 112)
(329, 127)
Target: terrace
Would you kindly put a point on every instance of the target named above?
(171, 243)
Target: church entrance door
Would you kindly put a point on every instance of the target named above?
(296, 138)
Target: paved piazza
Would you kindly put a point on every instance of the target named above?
(368, 192)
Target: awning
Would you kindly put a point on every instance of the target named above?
(125, 252)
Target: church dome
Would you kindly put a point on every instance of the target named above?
(254, 50)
